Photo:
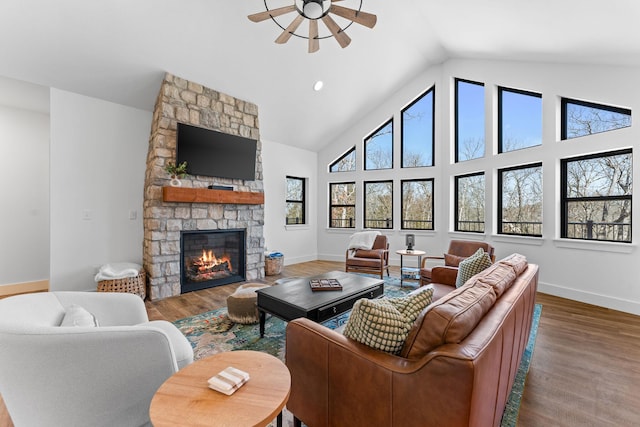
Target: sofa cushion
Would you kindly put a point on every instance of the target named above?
(384, 323)
(499, 276)
(471, 266)
(517, 261)
(450, 319)
(76, 315)
(453, 260)
(369, 253)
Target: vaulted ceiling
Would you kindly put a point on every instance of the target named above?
(118, 50)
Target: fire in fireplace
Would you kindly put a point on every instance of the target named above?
(211, 258)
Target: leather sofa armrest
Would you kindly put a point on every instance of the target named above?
(427, 258)
(444, 274)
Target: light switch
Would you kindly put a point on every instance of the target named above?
(87, 214)
(133, 214)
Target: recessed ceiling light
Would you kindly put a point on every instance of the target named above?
(318, 85)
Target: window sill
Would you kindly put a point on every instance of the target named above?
(591, 245)
(297, 227)
(521, 240)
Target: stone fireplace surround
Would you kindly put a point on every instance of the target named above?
(168, 211)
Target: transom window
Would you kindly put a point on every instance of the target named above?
(417, 204)
(296, 200)
(378, 204)
(580, 118)
(342, 206)
(418, 131)
(596, 196)
(519, 119)
(469, 201)
(378, 148)
(469, 120)
(346, 162)
(520, 200)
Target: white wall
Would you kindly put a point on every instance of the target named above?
(24, 189)
(604, 274)
(98, 160)
(298, 243)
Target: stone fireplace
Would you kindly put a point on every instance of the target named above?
(170, 212)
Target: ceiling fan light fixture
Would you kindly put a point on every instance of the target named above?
(313, 9)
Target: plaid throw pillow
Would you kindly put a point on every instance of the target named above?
(472, 266)
(384, 323)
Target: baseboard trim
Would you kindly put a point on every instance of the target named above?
(24, 288)
(632, 307)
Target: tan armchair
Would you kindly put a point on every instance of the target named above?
(374, 260)
(458, 251)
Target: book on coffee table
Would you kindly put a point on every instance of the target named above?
(325, 285)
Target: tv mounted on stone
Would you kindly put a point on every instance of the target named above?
(216, 154)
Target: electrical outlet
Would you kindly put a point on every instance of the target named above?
(87, 214)
(133, 214)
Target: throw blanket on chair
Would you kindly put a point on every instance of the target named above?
(363, 239)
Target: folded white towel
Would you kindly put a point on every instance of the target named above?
(363, 239)
(119, 270)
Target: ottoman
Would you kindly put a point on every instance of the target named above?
(242, 306)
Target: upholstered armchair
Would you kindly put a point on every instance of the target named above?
(374, 260)
(458, 251)
(82, 374)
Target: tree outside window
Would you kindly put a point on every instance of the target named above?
(346, 162)
(596, 196)
(418, 131)
(342, 206)
(519, 119)
(378, 204)
(580, 118)
(520, 201)
(378, 148)
(469, 193)
(417, 204)
(296, 200)
(469, 120)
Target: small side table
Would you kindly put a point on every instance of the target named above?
(186, 399)
(409, 273)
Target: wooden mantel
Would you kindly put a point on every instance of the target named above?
(205, 195)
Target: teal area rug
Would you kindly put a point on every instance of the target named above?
(212, 332)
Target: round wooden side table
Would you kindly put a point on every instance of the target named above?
(186, 399)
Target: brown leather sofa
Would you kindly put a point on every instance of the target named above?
(456, 369)
(458, 250)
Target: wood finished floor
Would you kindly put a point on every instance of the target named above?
(585, 369)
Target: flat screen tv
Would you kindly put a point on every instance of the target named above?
(212, 153)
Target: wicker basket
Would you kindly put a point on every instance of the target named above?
(273, 266)
(133, 285)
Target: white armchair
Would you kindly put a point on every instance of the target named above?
(52, 375)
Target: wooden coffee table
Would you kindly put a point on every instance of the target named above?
(185, 399)
(295, 299)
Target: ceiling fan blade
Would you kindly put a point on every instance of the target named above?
(286, 34)
(362, 18)
(342, 37)
(262, 16)
(314, 42)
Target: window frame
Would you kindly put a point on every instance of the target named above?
(339, 159)
(402, 220)
(364, 204)
(520, 92)
(432, 90)
(455, 118)
(500, 198)
(331, 205)
(456, 202)
(365, 142)
(564, 201)
(302, 202)
(563, 115)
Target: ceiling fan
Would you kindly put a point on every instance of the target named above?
(314, 11)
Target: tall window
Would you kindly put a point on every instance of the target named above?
(520, 200)
(519, 119)
(346, 162)
(580, 118)
(342, 206)
(417, 204)
(378, 148)
(596, 196)
(296, 200)
(469, 200)
(378, 204)
(418, 131)
(469, 120)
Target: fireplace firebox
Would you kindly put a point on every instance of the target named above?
(211, 258)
